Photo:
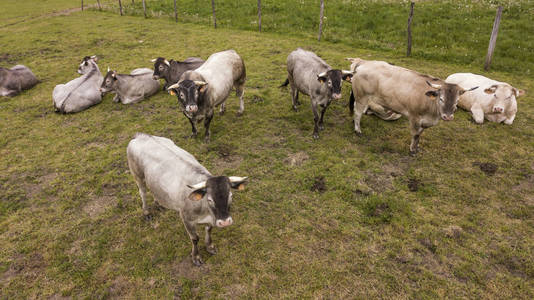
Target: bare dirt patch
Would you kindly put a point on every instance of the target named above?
(414, 184)
(44, 181)
(185, 268)
(29, 266)
(296, 159)
(99, 205)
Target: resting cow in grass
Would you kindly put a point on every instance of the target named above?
(423, 99)
(172, 70)
(130, 88)
(179, 182)
(15, 80)
(494, 100)
(82, 92)
(201, 90)
(309, 74)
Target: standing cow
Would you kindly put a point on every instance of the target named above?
(200, 90)
(172, 70)
(179, 182)
(496, 101)
(15, 80)
(421, 98)
(309, 74)
(130, 88)
(82, 92)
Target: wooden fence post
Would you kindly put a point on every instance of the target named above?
(259, 15)
(175, 13)
(99, 6)
(321, 16)
(213, 11)
(82, 5)
(144, 8)
(409, 49)
(120, 7)
(493, 38)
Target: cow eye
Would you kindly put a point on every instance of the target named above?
(85, 63)
(210, 201)
(161, 67)
(182, 96)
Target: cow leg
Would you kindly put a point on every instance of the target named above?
(139, 180)
(193, 126)
(240, 91)
(222, 109)
(209, 245)
(360, 106)
(315, 119)
(116, 98)
(192, 231)
(207, 121)
(416, 130)
(478, 114)
(321, 124)
(295, 97)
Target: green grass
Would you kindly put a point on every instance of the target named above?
(70, 215)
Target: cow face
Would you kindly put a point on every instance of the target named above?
(447, 95)
(189, 93)
(161, 68)
(217, 192)
(503, 97)
(332, 80)
(87, 64)
(109, 82)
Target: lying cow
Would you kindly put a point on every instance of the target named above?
(15, 80)
(82, 92)
(131, 88)
(496, 101)
(309, 74)
(421, 98)
(172, 70)
(200, 90)
(179, 182)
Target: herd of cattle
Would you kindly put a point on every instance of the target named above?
(179, 182)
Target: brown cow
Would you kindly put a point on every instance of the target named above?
(423, 99)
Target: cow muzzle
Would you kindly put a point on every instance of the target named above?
(336, 96)
(191, 108)
(497, 109)
(447, 117)
(224, 223)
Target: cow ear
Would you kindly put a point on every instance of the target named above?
(321, 79)
(432, 94)
(347, 75)
(518, 92)
(491, 89)
(197, 195)
(238, 182)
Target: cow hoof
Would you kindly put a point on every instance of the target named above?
(239, 113)
(211, 250)
(207, 140)
(321, 127)
(413, 153)
(192, 136)
(197, 261)
(221, 113)
(295, 108)
(315, 136)
(358, 133)
(148, 217)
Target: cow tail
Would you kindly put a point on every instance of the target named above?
(351, 101)
(285, 83)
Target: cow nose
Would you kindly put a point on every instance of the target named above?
(336, 96)
(224, 223)
(497, 109)
(191, 108)
(446, 117)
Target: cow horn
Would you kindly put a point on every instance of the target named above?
(471, 89)
(200, 83)
(167, 63)
(345, 72)
(173, 86)
(109, 69)
(197, 186)
(322, 74)
(153, 60)
(237, 179)
(436, 86)
(94, 58)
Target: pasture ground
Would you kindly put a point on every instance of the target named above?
(340, 217)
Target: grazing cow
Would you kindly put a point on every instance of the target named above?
(82, 92)
(179, 182)
(200, 90)
(15, 80)
(172, 70)
(131, 88)
(421, 98)
(309, 74)
(496, 101)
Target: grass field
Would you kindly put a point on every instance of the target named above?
(340, 217)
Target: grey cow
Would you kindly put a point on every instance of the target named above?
(82, 92)
(172, 70)
(309, 74)
(179, 182)
(130, 88)
(16, 79)
(200, 90)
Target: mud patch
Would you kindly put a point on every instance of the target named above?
(296, 159)
(488, 168)
(33, 190)
(185, 268)
(99, 205)
(414, 184)
(318, 185)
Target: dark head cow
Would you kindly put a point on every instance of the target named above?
(172, 70)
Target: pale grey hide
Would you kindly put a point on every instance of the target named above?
(309, 74)
(82, 92)
(179, 182)
(15, 80)
(130, 88)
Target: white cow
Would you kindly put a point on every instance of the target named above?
(494, 100)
